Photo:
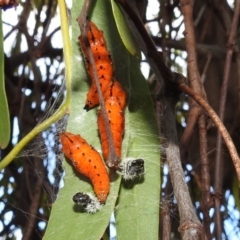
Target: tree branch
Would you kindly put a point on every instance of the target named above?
(190, 226)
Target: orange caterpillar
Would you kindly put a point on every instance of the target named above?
(113, 88)
(116, 121)
(112, 91)
(116, 91)
(103, 63)
(88, 162)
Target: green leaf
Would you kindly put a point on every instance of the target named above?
(138, 204)
(124, 31)
(236, 192)
(137, 215)
(4, 116)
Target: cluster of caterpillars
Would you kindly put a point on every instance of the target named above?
(84, 157)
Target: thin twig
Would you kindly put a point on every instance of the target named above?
(113, 160)
(195, 114)
(166, 220)
(166, 210)
(230, 46)
(218, 123)
(33, 208)
(206, 66)
(218, 162)
(206, 201)
(194, 76)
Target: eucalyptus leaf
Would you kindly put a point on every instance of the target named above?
(124, 30)
(4, 116)
(140, 201)
(137, 215)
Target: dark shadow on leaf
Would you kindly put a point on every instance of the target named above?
(113, 175)
(129, 184)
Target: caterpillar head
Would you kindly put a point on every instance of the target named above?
(131, 168)
(87, 202)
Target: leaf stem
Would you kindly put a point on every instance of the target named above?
(67, 48)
